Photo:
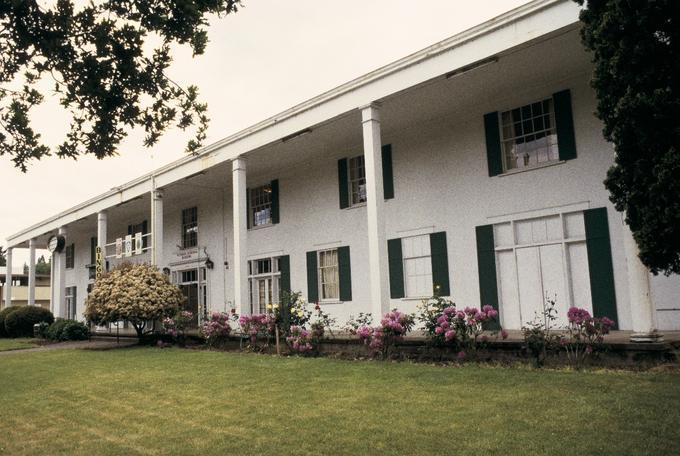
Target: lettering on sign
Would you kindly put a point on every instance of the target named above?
(128, 245)
(99, 262)
(119, 248)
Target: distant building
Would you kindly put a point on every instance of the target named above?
(20, 289)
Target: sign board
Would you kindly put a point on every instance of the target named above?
(56, 243)
(127, 245)
(119, 248)
(139, 244)
(98, 262)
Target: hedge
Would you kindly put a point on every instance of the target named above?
(3, 315)
(20, 322)
(67, 330)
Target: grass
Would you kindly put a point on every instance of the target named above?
(172, 401)
(16, 344)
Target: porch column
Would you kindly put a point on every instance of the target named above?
(60, 280)
(102, 227)
(31, 272)
(642, 308)
(8, 277)
(240, 236)
(156, 227)
(375, 205)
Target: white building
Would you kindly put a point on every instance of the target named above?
(475, 165)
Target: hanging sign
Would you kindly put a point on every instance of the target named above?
(55, 244)
(119, 248)
(139, 244)
(98, 262)
(127, 245)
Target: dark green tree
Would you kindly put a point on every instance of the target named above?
(43, 267)
(102, 62)
(635, 49)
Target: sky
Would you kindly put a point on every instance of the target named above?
(264, 59)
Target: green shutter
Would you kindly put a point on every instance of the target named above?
(494, 155)
(564, 123)
(343, 183)
(345, 274)
(388, 177)
(284, 268)
(312, 278)
(440, 264)
(93, 250)
(396, 267)
(130, 229)
(275, 200)
(248, 208)
(600, 263)
(486, 266)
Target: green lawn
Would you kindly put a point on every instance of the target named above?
(16, 344)
(172, 401)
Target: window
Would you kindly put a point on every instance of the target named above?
(328, 275)
(357, 180)
(264, 283)
(417, 266)
(529, 136)
(70, 253)
(261, 205)
(189, 227)
(140, 228)
(538, 258)
(70, 302)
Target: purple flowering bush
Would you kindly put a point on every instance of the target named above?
(300, 340)
(216, 329)
(259, 327)
(382, 339)
(460, 329)
(584, 335)
(176, 325)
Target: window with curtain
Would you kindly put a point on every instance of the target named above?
(357, 180)
(328, 275)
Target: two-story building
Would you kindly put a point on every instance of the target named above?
(472, 168)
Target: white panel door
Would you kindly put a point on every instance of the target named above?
(580, 276)
(509, 305)
(553, 277)
(530, 290)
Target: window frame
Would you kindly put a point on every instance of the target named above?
(361, 170)
(274, 274)
(261, 205)
(551, 148)
(404, 258)
(319, 272)
(70, 256)
(189, 222)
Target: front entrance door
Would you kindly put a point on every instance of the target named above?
(194, 291)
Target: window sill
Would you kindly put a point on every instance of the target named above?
(356, 206)
(531, 168)
(330, 303)
(415, 298)
(261, 227)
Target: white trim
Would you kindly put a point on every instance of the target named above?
(537, 213)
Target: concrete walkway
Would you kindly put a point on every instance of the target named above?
(96, 344)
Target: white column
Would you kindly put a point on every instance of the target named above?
(31, 272)
(642, 308)
(8, 278)
(157, 227)
(240, 265)
(102, 230)
(60, 280)
(375, 205)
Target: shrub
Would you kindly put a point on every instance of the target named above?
(257, 327)
(300, 341)
(382, 339)
(175, 326)
(3, 315)
(20, 322)
(463, 330)
(216, 330)
(539, 338)
(63, 330)
(585, 334)
(138, 293)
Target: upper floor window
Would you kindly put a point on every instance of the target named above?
(189, 227)
(357, 180)
(529, 136)
(70, 254)
(261, 205)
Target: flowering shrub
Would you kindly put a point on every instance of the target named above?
(257, 326)
(216, 329)
(584, 334)
(176, 325)
(300, 340)
(393, 327)
(539, 338)
(448, 326)
(138, 293)
(353, 324)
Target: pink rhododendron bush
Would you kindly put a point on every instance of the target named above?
(217, 328)
(463, 329)
(584, 335)
(382, 339)
(137, 293)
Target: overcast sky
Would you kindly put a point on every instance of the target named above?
(266, 58)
